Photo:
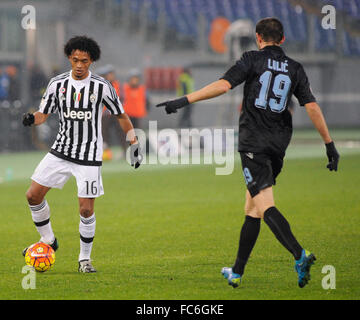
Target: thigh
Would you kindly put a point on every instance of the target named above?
(52, 172)
(258, 171)
(88, 180)
(250, 207)
(36, 193)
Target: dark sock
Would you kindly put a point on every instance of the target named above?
(281, 229)
(248, 235)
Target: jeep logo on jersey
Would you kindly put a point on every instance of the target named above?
(75, 114)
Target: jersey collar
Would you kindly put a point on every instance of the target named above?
(273, 47)
(80, 83)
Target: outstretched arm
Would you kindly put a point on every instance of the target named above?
(210, 91)
(319, 122)
(215, 89)
(233, 77)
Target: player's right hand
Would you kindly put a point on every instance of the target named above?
(136, 156)
(171, 106)
(332, 155)
(28, 119)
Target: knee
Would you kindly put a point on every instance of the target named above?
(255, 212)
(251, 211)
(33, 198)
(86, 211)
(263, 209)
(250, 207)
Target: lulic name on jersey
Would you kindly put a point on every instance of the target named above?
(277, 65)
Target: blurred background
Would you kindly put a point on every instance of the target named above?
(164, 231)
(168, 48)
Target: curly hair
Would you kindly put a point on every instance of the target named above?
(85, 44)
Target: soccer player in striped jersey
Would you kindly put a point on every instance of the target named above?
(78, 97)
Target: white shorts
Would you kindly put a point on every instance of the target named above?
(54, 172)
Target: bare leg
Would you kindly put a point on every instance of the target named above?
(36, 193)
(250, 207)
(86, 206)
(263, 201)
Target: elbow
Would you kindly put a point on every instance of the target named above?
(225, 86)
(312, 106)
(226, 89)
(313, 110)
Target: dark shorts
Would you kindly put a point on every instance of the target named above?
(260, 170)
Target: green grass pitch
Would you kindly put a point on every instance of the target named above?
(165, 233)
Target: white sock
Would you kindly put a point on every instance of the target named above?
(87, 233)
(41, 216)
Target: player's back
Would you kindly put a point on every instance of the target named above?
(271, 78)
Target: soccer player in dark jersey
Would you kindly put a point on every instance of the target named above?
(265, 129)
(78, 97)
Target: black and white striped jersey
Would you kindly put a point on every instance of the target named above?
(79, 104)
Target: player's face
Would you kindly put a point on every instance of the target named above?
(80, 63)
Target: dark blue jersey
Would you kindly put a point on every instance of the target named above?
(271, 77)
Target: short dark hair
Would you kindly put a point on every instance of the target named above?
(85, 44)
(270, 29)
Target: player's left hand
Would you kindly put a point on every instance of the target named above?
(136, 156)
(171, 106)
(332, 155)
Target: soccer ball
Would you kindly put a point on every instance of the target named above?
(40, 256)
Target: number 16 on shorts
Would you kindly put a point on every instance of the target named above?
(90, 185)
(91, 188)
